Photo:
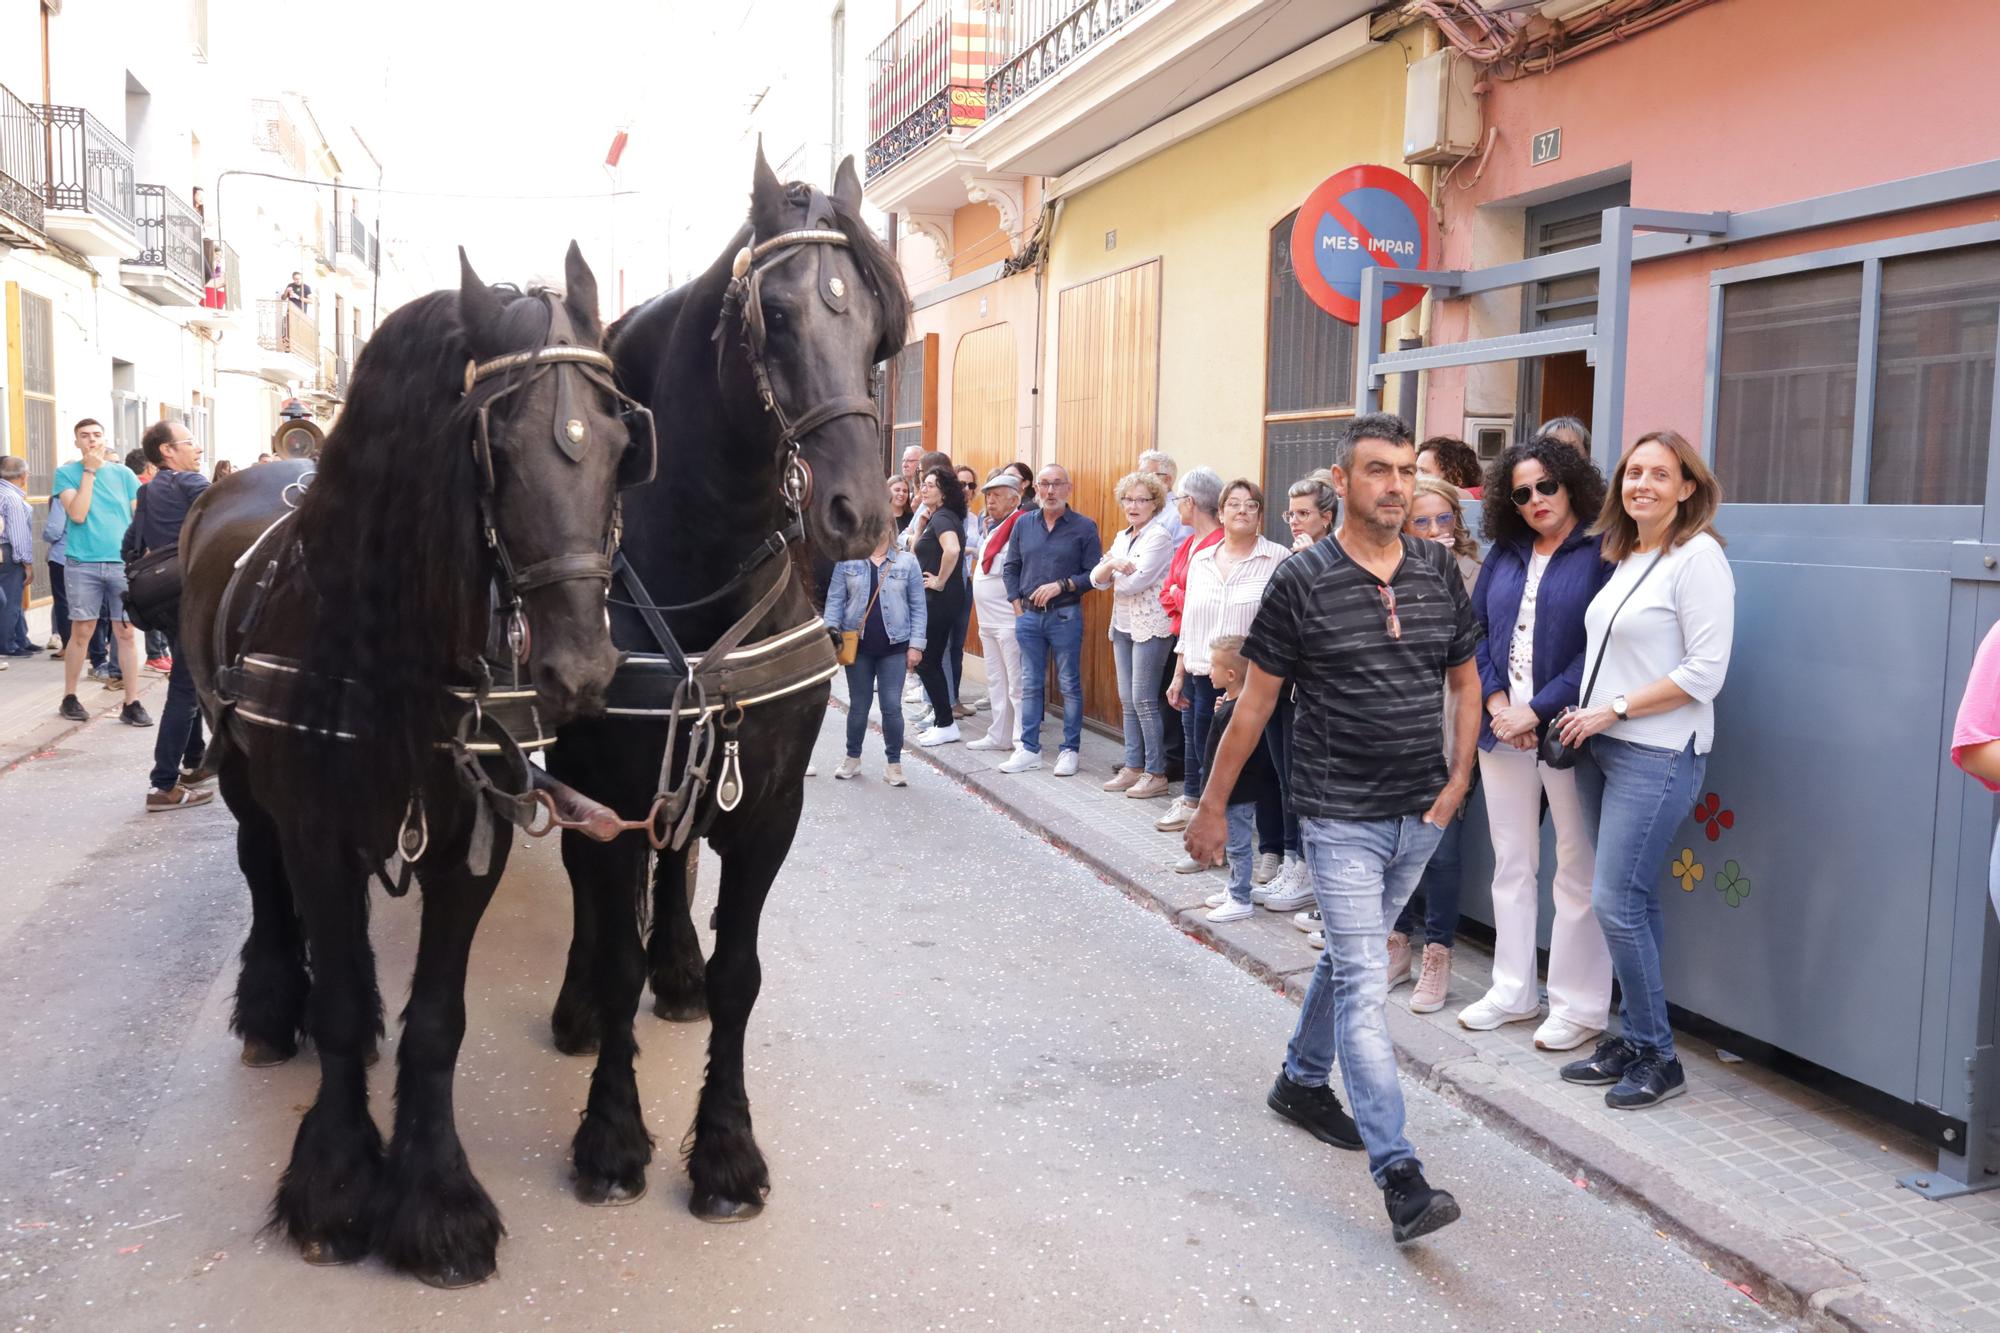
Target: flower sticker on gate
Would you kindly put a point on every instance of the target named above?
(1732, 883)
(1709, 813)
(1687, 870)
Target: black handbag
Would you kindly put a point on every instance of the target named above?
(1549, 747)
(153, 590)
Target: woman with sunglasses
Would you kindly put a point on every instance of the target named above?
(1541, 573)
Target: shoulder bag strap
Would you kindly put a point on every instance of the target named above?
(1583, 700)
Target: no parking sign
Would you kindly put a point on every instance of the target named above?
(1355, 219)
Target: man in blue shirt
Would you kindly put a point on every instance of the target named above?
(97, 493)
(179, 774)
(1047, 570)
(17, 558)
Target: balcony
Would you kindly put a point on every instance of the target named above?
(222, 294)
(23, 172)
(90, 199)
(354, 250)
(340, 369)
(1074, 78)
(289, 341)
(170, 269)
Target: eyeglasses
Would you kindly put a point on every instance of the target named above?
(1394, 621)
(1435, 523)
(1520, 495)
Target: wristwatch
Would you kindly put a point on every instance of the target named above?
(1618, 706)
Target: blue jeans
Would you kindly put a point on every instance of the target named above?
(1440, 886)
(1196, 719)
(14, 639)
(1635, 799)
(1056, 633)
(1242, 849)
(1362, 874)
(1138, 666)
(876, 679)
(178, 743)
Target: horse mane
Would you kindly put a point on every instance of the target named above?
(393, 543)
(881, 272)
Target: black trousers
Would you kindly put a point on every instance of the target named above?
(941, 611)
(1176, 760)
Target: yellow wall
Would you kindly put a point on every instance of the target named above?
(1205, 208)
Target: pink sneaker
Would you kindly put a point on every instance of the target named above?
(1399, 958)
(1433, 982)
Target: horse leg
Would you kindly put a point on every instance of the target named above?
(433, 1218)
(324, 1198)
(673, 954)
(574, 1021)
(727, 1169)
(612, 1148)
(272, 985)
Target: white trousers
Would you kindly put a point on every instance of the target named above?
(1579, 963)
(1002, 655)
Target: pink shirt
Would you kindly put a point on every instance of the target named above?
(1979, 711)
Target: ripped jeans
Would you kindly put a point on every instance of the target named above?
(1362, 873)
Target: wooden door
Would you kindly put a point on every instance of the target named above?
(984, 400)
(1107, 412)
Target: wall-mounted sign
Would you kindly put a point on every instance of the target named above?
(1545, 147)
(1356, 219)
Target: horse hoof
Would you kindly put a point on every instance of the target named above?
(715, 1208)
(262, 1054)
(324, 1254)
(576, 1045)
(453, 1278)
(608, 1193)
(684, 1011)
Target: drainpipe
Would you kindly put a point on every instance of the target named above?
(1041, 317)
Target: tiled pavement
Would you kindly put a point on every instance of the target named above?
(1780, 1188)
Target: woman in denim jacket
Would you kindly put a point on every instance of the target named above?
(892, 627)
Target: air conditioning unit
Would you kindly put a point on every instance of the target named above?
(1489, 436)
(1440, 110)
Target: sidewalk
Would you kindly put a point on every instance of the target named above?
(1784, 1192)
(31, 691)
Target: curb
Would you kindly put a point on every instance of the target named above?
(12, 758)
(1788, 1276)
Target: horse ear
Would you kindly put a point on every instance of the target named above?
(478, 307)
(847, 185)
(580, 290)
(770, 210)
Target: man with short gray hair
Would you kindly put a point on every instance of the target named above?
(1047, 567)
(17, 558)
(1162, 465)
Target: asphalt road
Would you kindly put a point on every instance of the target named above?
(993, 1092)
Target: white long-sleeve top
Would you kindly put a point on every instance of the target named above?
(1217, 606)
(1680, 624)
(1135, 597)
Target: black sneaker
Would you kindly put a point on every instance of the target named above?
(134, 714)
(73, 710)
(1415, 1209)
(1648, 1081)
(1607, 1064)
(1315, 1110)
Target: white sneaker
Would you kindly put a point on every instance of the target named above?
(1216, 899)
(1267, 867)
(1231, 911)
(1559, 1034)
(1483, 1015)
(848, 768)
(987, 743)
(1021, 761)
(1187, 865)
(1317, 939)
(893, 775)
(1177, 816)
(812, 769)
(1290, 891)
(932, 737)
(1307, 921)
(1066, 764)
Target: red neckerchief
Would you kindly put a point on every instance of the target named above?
(997, 542)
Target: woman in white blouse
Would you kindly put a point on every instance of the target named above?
(1225, 586)
(1141, 633)
(1658, 639)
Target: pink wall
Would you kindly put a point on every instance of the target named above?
(1739, 105)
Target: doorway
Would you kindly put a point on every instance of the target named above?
(1562, 385)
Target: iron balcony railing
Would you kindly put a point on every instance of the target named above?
(1047, 35)
(340, 376)
(351, 237)
(224, 289)
(929, 76)
(283, 327)
(90, 168)
(169, 235)
(23, 162)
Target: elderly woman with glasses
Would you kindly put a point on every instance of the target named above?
(1541, 573)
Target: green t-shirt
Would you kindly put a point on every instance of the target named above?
(102, 531)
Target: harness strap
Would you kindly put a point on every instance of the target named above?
(560, 569)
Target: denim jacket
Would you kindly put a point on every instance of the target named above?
(1575, 572)
(902, 597)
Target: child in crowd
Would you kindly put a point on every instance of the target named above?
(1228, 670)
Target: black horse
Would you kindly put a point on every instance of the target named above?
(327, 618)
(770, 349)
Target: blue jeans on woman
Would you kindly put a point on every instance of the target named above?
(1635, 798)
(1199, 693)
(879, 679)
(1138, 667)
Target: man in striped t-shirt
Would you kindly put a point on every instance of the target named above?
(1370, 627)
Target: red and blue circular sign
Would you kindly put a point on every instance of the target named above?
(1355, 219)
